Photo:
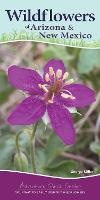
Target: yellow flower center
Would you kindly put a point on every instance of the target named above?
(55, 83)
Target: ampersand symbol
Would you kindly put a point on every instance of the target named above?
(70, 28)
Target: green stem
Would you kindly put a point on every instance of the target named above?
(32, 147)
(17, 142)
(18, 147)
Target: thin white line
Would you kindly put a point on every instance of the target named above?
(10, 41)
(49, 176)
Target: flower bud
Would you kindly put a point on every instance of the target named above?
(21, 162)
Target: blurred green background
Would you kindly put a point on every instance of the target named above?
(52, 156)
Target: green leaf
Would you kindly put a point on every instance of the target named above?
(88, 59)
(95, 147)
(46, 119)
(54, 147)
(40, 160)
(97, 170)
(5, 87)
(63, 169)
(7, 150)
(57, 51)
(58, 167)
(73, 110)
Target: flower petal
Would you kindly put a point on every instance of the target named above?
(28, 112)
(24, 79)
(84, 95)
(55, 64)
(62, 123)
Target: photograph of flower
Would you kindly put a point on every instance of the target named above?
(49, 109)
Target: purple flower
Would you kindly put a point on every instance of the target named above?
(53, 93)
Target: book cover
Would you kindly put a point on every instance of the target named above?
(49, 100)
